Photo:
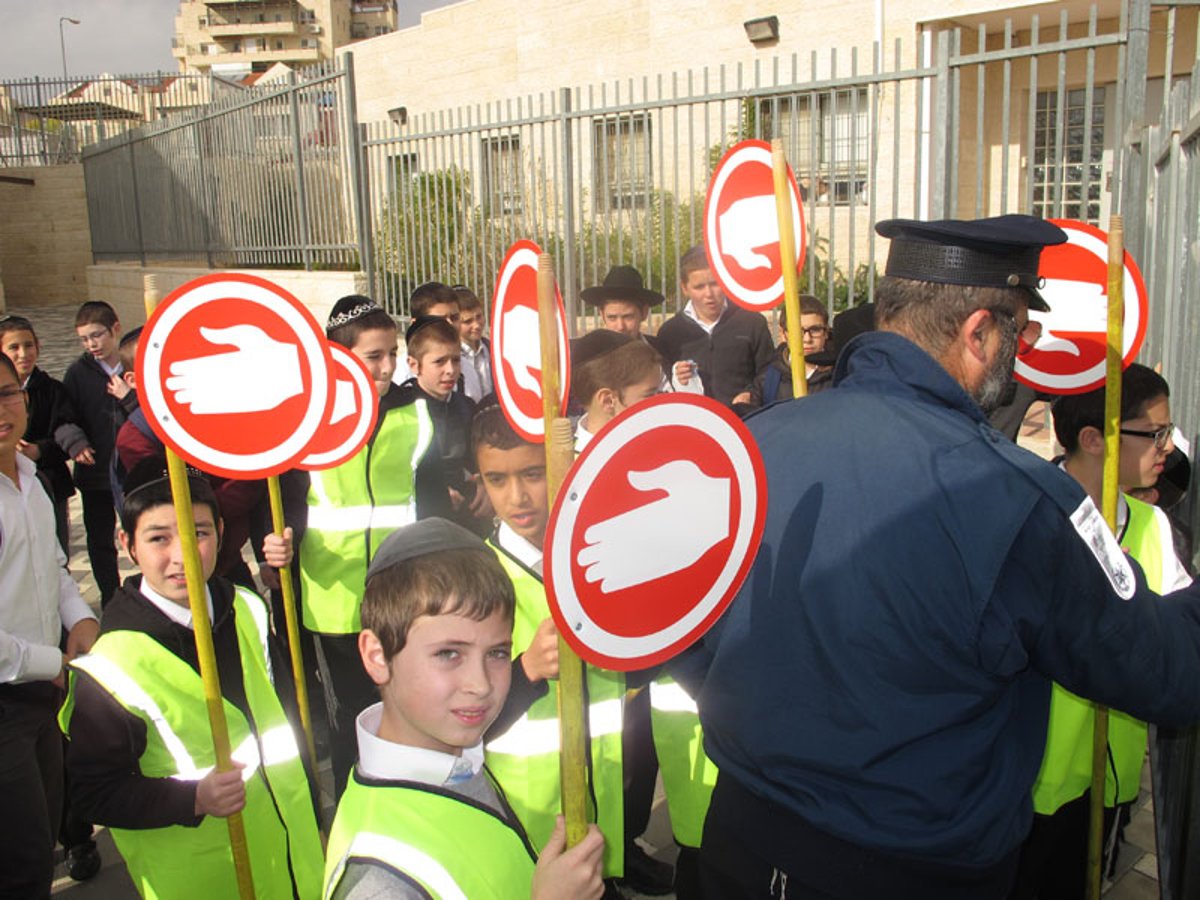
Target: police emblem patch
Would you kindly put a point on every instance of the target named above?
(1090, 526)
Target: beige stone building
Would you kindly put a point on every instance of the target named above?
(237, 37)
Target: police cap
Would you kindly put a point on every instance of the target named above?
(1002, 251)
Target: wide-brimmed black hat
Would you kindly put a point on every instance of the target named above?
(622, 283)
(1002, 251)
(847, 324)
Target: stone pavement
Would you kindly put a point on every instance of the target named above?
(1137, 876)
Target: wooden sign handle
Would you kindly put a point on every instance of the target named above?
(787, 262)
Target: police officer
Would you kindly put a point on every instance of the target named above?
(877, 697)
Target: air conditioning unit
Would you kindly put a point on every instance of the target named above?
(314, 29)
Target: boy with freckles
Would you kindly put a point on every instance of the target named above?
(422, 817)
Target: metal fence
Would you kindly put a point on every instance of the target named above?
(264, 178)
(47, 121)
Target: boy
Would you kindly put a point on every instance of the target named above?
(351, 508)
(38, 598)
(421, 816)
(48, 405)
(141, 755)
(623, 302)
(434, 300)
(775, 382)
(522, 747)
(96, 391)
(725, 345)
(477, 381)
(445, 486)
(1054, 856)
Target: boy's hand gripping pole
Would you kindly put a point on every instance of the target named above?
(787, 262)
(202, 628)
(560, 454)
(1108, 503)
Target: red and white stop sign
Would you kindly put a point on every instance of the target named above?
(516, 342)
(234, 373)
(654, 530)
(741, 227)
(352, 417)
(1069, 357)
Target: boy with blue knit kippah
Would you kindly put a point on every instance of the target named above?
(422, 816)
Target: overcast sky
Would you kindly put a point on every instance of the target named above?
(117, 36)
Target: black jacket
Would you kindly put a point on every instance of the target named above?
(49, 407)
(738, 349)
(98, 414)
(107, 741)
(819, 380)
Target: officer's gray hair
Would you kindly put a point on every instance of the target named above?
(931, 314)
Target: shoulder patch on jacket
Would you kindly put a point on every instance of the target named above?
(1090, 526)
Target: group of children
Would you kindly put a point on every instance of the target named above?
(420, 575)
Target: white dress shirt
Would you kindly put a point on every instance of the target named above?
(520, 549)
(38, 597)
(180, 615)
(383, 759)
(476, 371)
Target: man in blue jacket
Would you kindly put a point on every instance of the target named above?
(877, 696)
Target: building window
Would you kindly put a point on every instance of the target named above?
(307, 15)
(827, 136)
(279, 45)
(622, 160)
(502, 175)
(1079, 181)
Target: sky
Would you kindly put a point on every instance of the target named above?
(116, 36)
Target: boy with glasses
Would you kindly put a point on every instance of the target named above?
(1054, 856)
(101, 402)
(775, 381)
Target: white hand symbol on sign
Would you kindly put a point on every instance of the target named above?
(664, 536)
(259, 375)
(748, 223)
(1078, 307)
(522, 347)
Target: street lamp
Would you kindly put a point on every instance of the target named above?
(62, 44)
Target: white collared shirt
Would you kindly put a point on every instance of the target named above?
(38, 597)
(690, 312)
(476, 371)
(180, 615)
(520, 549)
(583, 437)
(380, 758)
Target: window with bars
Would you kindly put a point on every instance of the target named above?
(1075, 178)
(502, 175)
(827, 136)
(621, 152)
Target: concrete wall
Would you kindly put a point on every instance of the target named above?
(45, 245)
(121, 284)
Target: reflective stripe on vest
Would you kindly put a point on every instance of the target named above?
(525, 759)
(451, 846)
(163, 690)
(688, 774)
(1066, 771)
(351, 509)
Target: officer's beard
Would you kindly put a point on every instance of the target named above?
(991, 392)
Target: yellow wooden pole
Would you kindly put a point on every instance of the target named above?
(1108, 507)
(560, 454)
(202, 628)
(292, 623)
(787, 259)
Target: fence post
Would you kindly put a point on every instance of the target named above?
(1131, 199)
(568, 188)
(356, 149)
(41, 105)
(205, 187)
(137, 209)
(301, 192)
(940, 130)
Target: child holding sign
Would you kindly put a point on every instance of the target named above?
(421, 816)
(522, 747)
(141, 753)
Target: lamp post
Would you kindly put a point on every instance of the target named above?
(62, 44)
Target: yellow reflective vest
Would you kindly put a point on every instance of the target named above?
(1066, 772)
(351, 509)
(688, 774)
(525, 759)
(167, 694)
(453, 848)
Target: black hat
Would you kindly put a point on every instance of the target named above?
(622, 283)
(420, 538)
(349, 308)
(153, 470)
(998, 252)
(847, 325)
(130, 336)
(420, 322)
(595, 344)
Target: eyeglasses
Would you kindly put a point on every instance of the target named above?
(94, 337)
(1160, 436)
(1028, 336)
(11, 396)
(815, 331)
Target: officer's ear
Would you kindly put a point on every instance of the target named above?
(1091, 440)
